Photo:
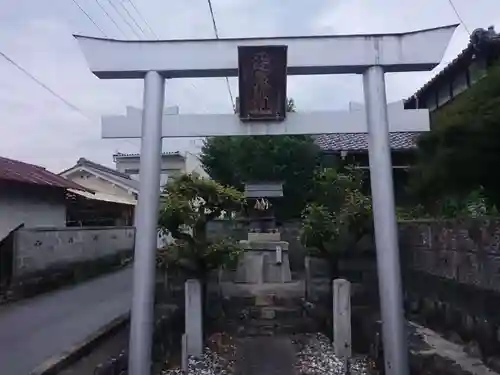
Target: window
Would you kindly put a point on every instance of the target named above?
(477, 70)
(443, 95)
(431, 102)
(459, 84)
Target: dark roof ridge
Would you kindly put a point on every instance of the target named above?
(103, 168)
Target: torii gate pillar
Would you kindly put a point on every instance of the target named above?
(141, 327)
(370, 55)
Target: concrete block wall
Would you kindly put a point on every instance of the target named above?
(40, 249)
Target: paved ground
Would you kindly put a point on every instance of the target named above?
(37, 329)
(266, 356)
(110, 347)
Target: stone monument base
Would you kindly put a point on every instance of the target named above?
(264, 262)
(293, 289)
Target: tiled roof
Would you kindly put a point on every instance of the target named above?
(466, 54)
(14, 170)
(465, 57)
(119, 154)
(359, 141)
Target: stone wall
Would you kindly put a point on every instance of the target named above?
(451, 272)
(37, 250)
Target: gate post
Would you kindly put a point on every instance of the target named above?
(384, 217)
(141, 326)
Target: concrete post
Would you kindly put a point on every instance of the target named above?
(342, 318)
(194, 318)
(384, 217)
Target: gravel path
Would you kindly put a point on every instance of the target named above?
(309, 354)
(266, 356)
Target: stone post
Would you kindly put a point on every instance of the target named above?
(342, 318)
(194, 320)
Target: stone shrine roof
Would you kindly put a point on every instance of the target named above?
(263, 189)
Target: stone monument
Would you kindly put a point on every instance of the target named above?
(265, 259)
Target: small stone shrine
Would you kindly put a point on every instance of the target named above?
(265, 259)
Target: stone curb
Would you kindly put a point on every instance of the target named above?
(55, 364)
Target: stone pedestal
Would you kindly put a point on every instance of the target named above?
(264, 262)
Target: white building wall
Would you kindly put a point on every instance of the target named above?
(171, 165)
(94, 183)
(193, 165)
(32, 205)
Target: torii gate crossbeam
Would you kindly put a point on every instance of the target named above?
(370, 55)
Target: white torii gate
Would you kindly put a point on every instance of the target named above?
(370, 55)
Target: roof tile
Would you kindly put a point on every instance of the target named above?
(359, 141)
(14, 170)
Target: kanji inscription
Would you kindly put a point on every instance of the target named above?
(262, 82)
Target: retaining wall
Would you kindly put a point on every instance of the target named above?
(37, 250)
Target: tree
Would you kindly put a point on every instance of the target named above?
(463, 148)
(340, 217)
(289, 159)
(188, 204)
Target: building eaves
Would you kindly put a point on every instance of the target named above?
(14, 170)
(110, 174)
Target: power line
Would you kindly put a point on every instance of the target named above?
(133, 19)
(459, 17)
(216, 31)
(47, 88)
(111, 18)
(40, 83)
(143, 19)
(124, 19)
(90, 18)
(213, 19)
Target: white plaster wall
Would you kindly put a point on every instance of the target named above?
(34, 207)
(40, 249)
(193, 165)
(94, 183)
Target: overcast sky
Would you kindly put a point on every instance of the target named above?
(36, 127)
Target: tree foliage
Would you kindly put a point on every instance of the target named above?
(340, 217)
(288, 159)
(188, 204)
(462, 151)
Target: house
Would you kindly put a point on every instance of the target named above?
(113, 198)
(31, 196)
(352, 148)
(172, 164)
(466, 69)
